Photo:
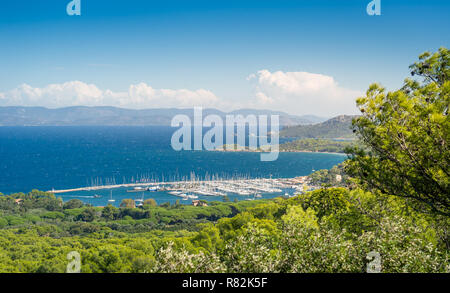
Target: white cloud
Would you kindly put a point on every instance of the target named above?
(302, 93)
(292, 92)
(76, 93)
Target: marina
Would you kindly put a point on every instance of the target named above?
(189, 190)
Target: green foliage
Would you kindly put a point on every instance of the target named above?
(15, 220)
(404, 247)
(53, 215)
(316, 145)
(172, 260)
(295, 215)
(150, 202)
(128, 203)
(264, 211)
(326, 201)
(336, 176)
(73, 204)
(165, 205)
(110, 213)
(3, 222)
(254, 250)
(88, 215)
(208, 238)
(407, 133)
(328, 230)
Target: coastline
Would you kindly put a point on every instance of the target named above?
(281, 151)
(331, 153)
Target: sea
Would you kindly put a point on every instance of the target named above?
(55, 158)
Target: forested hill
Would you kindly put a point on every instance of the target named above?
(334, 128)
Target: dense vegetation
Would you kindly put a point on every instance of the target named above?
(329, 230)
(335, 128)
(336, 177)
(315, 145)
(43, 209)
(407, 133)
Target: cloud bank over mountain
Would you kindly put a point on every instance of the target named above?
(77, 93)
(292, 92)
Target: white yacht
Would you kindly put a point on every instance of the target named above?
(111, 200)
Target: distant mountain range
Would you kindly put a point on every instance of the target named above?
(112, 116)
(334, 128)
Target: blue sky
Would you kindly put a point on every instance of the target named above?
(275, 54)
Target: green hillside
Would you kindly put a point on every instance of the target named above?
(335, 128)
(315, 145)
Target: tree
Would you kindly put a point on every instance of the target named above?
(165, 205)
(150, 202)
(73, 204)
(177, 203)
(110, 212)
(128, 203)
(88, 215)
(406, 133)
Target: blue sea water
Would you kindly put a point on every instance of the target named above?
(47, 158)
